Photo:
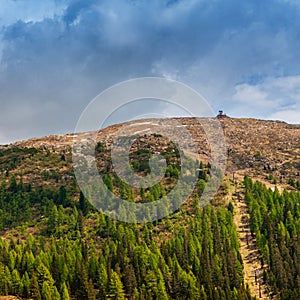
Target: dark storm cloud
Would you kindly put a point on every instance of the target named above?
(54, 63)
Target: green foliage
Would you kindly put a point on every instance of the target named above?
(275, 220)
(12, 157)
(294, 183)
(198, 261)
(115, 289)
(77, 253)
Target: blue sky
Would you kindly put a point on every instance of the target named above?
(55, 56)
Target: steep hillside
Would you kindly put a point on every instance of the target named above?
(261, 149)
(244, 244)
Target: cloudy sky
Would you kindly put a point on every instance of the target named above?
(57, 55)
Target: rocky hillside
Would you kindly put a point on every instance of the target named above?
(266, 150)
(243, 245)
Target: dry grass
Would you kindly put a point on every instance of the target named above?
(248, 249)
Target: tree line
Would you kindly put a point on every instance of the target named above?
(275, 222)
(76, 252)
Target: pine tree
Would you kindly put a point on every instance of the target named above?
(130, 279)
(15, 282)
(115, 289)
(103, 281)
(161, 291)
(35, 290)
(83, 204)
(25, 285)
(64, 292)
(53, 220)
(4, 280)
(62, 198)
(46, 291)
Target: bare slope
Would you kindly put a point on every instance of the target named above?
(257, 148)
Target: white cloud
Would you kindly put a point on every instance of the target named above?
(290, 116)
(29, 10)
(273, 98)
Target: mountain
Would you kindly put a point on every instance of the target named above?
(242, 245)
(257, 148)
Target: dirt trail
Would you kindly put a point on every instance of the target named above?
(253, 269)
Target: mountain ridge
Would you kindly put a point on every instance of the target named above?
(254, 147)
(72, 134)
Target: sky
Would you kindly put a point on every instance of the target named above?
(56, 56)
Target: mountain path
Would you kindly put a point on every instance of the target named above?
(251, 256)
